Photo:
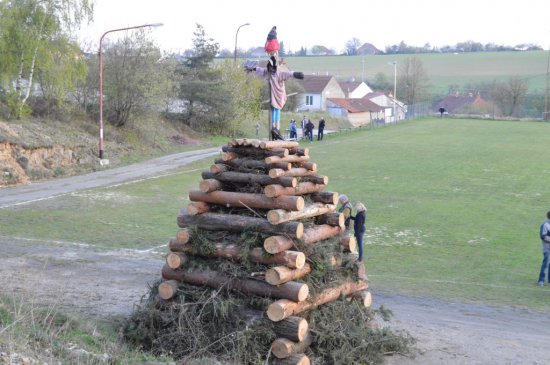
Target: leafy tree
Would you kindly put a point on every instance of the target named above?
(35, 40)
(282, 49)
(412, 80)
(352, 46)
(381, 82)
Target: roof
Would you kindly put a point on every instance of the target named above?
(349, 86)
(315, 84)
(356, 105)
(452, 103)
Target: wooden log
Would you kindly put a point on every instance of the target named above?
(312, 166)
(319, 233)
(239, 223)
(228, 156)
(278, 144)
(175, 245)
(363, 297)
(248, 200)
(293, 172)
(240, 163)
(218, 167)
(289, 158)
(326, 197)
(291, 259)
(294, 328)
(281, 274)
(195, 208)
(250, 178)
(316, 179)
(297, 292)
(299, 359)
(256, 152)
(208, 185)
(282, 309)
(168, 289)
(183, 235)
(176, 260)
(332, 219)
(349, 242)
(276, 244)
(283, 347)
(278, 216)
(300, 151)
(303, 188)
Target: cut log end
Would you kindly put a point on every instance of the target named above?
(168, 289)
(276, 244)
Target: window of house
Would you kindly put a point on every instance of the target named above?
(309, 100)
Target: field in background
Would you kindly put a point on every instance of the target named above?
(454, 207)
(443, 69)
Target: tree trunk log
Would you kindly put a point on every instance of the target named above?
(289, 158)
(293, 328)
(228, 156)
(168, 289)
(293, 172)
(303, 188)
(276, 244)
(281, 274)
(300, 151)
(278, 216)
(240, 163)
(300, 359)
(256, 152)
(296, 292)
(278, 144)
(283, 347)
(282, 309)
(363, 297)
(326, 197)
(195, 208)
(183, 235)
(312, 166)
(320, 233)
(332, 219)
(292, 259)
(218, 167)
(209, 185)
(316, 179)
(248, 200)
(239, 223)
(250, 178)
(176, 260)
(349, 242)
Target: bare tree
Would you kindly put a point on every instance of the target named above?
(413, 80)
(509, 96)
(352, 46)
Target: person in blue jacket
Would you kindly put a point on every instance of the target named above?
(545, 238)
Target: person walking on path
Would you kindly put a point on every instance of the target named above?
(321, 130)
(345, 208)
(359, 227)
(545, 238)
(309, 130)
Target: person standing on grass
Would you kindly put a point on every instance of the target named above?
(545, 238)
(345, 208)
(320, 130)
(309, 130)
(359, 227)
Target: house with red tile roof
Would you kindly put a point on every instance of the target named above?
(359, 111)
(463, 104)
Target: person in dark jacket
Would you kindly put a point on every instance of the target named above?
(359, 227)
(309, 130)
(321, 130)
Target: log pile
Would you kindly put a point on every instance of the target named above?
(272, 192)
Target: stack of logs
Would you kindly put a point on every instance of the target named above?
(274, 180)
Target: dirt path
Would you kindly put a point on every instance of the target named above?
(99, 283)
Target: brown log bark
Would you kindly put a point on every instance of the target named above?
(176, 245)
(293, 328)
(183, 235)
(320, 233)
(276, 244)
(293, 172)
(291, 259)
(349, 242)
(283, 347)
(195, 208)
(248, 200)
(281, 274)
(296, 292)
(289, 158)
(278, 216)
(278, 144)
(228, 156)
(168, 289)
(363, 297)
(241, 163)
(175, 260)
(332, 219)
(256, 152)
(312, 166)
(316, 179)
(303, 188)
(208, 185)
(250, 178)
(238, 223)
(327, 197)
(282, 309)
(300, 359)
(300, 151)
(218, 167)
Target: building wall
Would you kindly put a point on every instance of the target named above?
(361, 91)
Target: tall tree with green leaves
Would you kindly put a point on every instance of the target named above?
(35, 39)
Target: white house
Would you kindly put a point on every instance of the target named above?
(355, 89)
(316, 91)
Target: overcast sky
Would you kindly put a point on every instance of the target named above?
(329, 23)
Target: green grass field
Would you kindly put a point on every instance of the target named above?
(454, 207)
(443, 69)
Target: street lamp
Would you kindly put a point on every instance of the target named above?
(394, 88)
(101, 148)
(236, 34)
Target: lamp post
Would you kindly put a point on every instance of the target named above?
(394, 89)
(101, 145)
(236, 34)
